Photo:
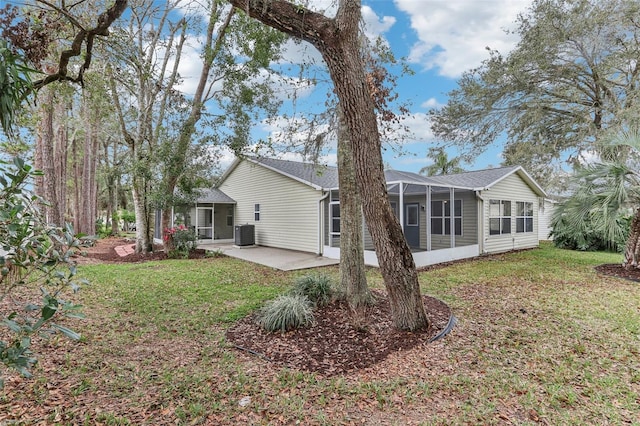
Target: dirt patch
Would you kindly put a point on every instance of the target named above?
(332, 344)
(103, 251)
(617, 270)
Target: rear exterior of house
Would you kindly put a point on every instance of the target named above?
(285, 212)
(296, 206)
(545, 217)
(510, 216)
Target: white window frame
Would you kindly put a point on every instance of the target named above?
(334, 201)
(502, 217)
(256, 212)
(526, 218)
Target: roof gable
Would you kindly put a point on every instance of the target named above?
(482, 179)
(314, 175)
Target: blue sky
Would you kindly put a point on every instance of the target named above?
(440, 39)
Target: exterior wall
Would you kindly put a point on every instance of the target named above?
(513, 189)
(544, 219)
(289, 211)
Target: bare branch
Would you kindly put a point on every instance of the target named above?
(83, 36)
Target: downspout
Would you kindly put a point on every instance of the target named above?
(480, 214)
(427, 210)
(452, 218)
(321, 223)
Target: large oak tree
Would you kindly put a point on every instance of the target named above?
(337, 40)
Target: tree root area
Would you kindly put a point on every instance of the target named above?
(617, 270)
(333, 344)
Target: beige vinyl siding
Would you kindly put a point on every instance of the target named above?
(288, 208)
(544, 219)
(513, 189)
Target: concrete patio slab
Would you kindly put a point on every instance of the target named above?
(284, 260)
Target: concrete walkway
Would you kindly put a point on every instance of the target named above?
(284, 260)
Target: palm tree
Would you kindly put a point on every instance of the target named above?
(607, 192)
(441, 163)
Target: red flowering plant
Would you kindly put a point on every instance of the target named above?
(179, 241)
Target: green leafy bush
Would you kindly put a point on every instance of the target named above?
(179, 241)
(285, 313)
(33, 256)
(316, 287)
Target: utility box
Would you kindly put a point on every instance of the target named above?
(245, 235)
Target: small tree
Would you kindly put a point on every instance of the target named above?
(33, 254)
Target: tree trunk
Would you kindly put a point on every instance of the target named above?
(77, 183)
(46, 149)
(60, 156)
(337, 41)
(88, 192)
(352, 271)
(632, 248)
(144, 242)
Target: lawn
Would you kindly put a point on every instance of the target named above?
(541, 339)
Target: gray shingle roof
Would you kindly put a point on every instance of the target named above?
(324, 177)
(213, 195)
(475, 179)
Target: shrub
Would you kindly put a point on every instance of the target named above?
(588, 236)
(33, 256)
(316, 287)
(285, 313)
(179, 241)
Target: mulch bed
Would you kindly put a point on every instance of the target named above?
(332, 344)
(104, 252)
(617, 270)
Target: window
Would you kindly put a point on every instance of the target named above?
(441, 217)
(230, 216)
(524, 216)
(413, 215)
(334, 213)
(499, 217)
(256, 212)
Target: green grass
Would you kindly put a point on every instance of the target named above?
(541, 338)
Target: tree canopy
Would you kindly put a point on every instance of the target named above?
(573, 75)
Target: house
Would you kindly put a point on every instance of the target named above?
(547, 207)
(294, 205)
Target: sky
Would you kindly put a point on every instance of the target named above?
(440, 40)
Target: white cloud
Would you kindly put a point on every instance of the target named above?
(589, 157)
(419, 129)
(453, 34)
(375, 26)
(431, 103)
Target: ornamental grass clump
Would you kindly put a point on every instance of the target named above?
(286, 312)
(317, 288)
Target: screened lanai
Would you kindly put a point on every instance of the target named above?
(211, 217)
(440, 223)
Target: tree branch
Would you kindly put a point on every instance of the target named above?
(105, 20)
